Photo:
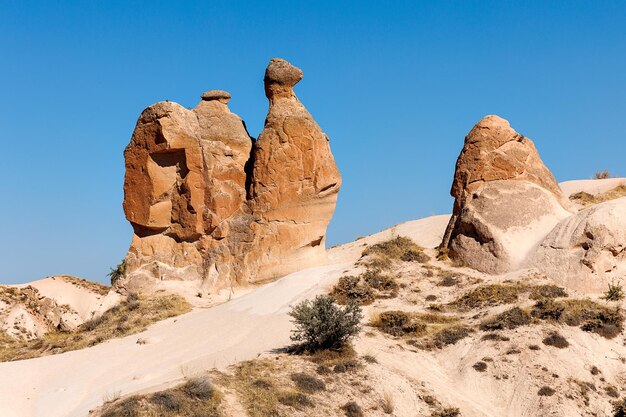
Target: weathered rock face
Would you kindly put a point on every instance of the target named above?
(506, 200)
(587, 250)
(211, 207)
(295, 180)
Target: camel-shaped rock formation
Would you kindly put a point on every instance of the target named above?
(213, 208)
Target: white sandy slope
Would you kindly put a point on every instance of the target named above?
(591, 186)
(70, 384)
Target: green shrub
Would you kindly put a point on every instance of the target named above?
(614, 293)
(118, 272)
(322, 324)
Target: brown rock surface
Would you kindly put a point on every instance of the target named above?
(506, 200)
(213, 209)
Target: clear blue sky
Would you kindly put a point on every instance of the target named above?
(396, 85)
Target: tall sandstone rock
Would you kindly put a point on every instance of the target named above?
(505, 199)
(212, 208)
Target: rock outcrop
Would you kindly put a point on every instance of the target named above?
(213, 208)
(587, 250)
(506, 200)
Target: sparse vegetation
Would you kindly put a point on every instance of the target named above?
(619, 408)
(95, 287)
(322, 324)
(118, 272)
(589, 315)
(602, 175)
(447, 412)
(509, 319)
(586, 199)
(352, 409)
(488, 296)
(555, 339)
(308, 383)
(398, 248)
(387, 404)
(480, 366)
(546, 391)
(615, 292)
(547, 291)
(350, 289)
(131, 316)
(196, 397)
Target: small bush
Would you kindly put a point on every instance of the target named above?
(534, 347)
(352, 409)
(509, 319)
(488, 296)
(349, 289)
(480, 366)
(321, 324)
(450, 336)
(495, 337)
(118, 272)
(448, 281)
(611, 391)
(589, 315)
(413, 255)
(308, 383)
(556, 340)
(547, 291)
(398, 323)
(619, 408)
(394, 248)
(447, 412)
(602, 175)
(379, 281)
(200, 388)
(296, 400)
(614, 293)
(546, 391)
(387, 403)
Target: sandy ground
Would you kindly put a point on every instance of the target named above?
(70, 384)
(591, 186)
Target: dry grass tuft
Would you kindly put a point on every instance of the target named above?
(352, 409)
(131, 316)
(586, 199)
(388, 404)
(447, 412)
(398, 248)
(589, 315)
(196, 397)
(402, 323)
(547, 291)
(555, 339)
(509, 319)
(489, 296)
(95, 287)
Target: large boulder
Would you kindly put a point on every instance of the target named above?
(586, 251)
(505, 199)
(211, 208)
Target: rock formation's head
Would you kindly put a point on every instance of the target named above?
(280, 78)
(219, 95)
